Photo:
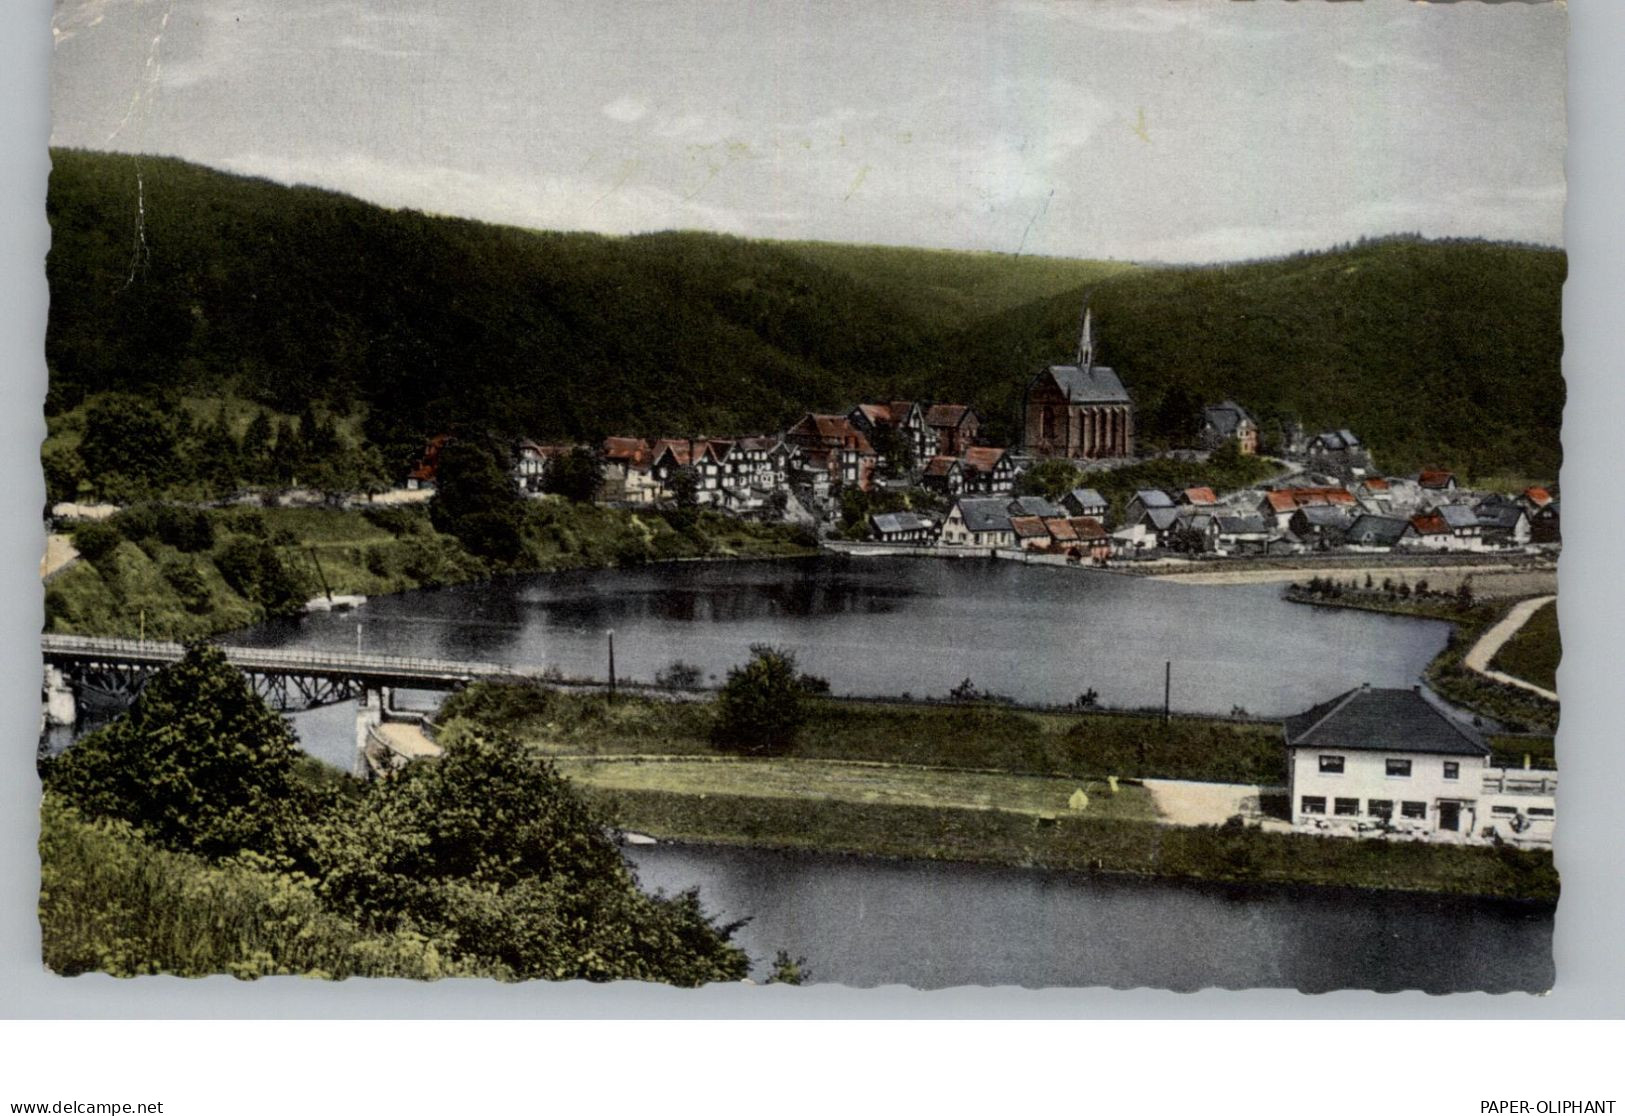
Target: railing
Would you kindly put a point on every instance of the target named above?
(1510, 782)
(256, 658)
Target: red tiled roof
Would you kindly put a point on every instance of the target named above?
(1028, 527)
(1202, 495)
(1282, 501)
(1087, 528)
(1430, 525)
(1435, 478)
(940, 466)
(1537, 496)
(946, 414)
(617, 448)
(983, 458)
(1061, 530)
(1376, 484)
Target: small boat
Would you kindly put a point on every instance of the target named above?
(338, 602)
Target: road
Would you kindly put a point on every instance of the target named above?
(1483, 652)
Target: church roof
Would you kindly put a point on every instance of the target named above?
(1088, 385)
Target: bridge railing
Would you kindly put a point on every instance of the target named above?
(279, 658)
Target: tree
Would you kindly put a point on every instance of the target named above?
(684, 487)
(1179, 415)
(490, 848)
(789, 970)
(63, 474)
(1185, 539)
(254, 569)
(1051, 478)
(130, 438)
(577, 476)
(761, 705)
(199, 763)
(894, 449)
(477, 499)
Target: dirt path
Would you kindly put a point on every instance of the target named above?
(1483, 652)
(59, 553)
(1186, 803)
(1488, 581)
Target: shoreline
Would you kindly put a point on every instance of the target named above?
(1542, 905)
(1219, 874)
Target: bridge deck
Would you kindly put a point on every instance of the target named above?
(378, 670)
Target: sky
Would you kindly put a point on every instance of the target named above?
(1167, 130)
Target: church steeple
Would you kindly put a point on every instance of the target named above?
(1086, 343)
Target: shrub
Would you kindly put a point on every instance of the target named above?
(678, 675)
(95, 540)
(761, 706)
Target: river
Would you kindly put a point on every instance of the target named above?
(929, 925)
(887, 627)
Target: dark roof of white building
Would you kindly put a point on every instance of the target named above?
(985, 514)
(1364, 719)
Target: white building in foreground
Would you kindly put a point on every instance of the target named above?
(1390, 763)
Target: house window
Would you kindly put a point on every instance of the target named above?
(1399, 769)
(1331, 765)
(1504, 811)
(1313, 804)
(1452, 769)
(1413, 809)
(1346, 807)
(1380, 808)
(1542, 812)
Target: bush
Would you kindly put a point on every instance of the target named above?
(254, 570)
(679, 675)
(198, 764)
(95, 540)
(761, 706)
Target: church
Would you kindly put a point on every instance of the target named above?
(1078, 410)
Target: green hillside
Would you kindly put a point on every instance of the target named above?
(285, 297)
(1437, 353)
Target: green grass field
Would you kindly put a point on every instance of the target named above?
(1534, 652)
(973, 736)
(845, 781)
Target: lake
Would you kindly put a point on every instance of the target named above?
(931, 925)
(893, 626)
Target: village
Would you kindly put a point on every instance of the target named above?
(920, 475)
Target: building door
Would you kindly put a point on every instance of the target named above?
(1450, 816)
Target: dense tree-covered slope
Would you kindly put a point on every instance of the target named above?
(173, 278)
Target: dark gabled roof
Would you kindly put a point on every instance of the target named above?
(1323, 515)
(1501, 516)
(947, 415)
(1369, 720)
(985, 514)
(1458, 515)
(1086, 498)
(1225, 417)
(1088, 385)
(1153, 498)
(1376, 530)
(1161, 518)
(1036, 505)
(1246, 525)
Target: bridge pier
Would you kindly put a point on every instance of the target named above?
(370, 709)
(60, 706)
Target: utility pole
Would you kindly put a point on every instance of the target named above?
(1167, 687)
(612, 664)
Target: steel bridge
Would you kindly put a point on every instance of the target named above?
(117, 669)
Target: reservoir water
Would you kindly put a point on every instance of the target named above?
(1038, 635)
(911, 626)
(866, 922)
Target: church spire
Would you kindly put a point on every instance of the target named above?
(1086, 342)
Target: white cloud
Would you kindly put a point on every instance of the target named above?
(627, 110)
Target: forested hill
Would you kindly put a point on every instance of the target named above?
(291, 295)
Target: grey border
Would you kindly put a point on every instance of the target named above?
(1590, 966)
